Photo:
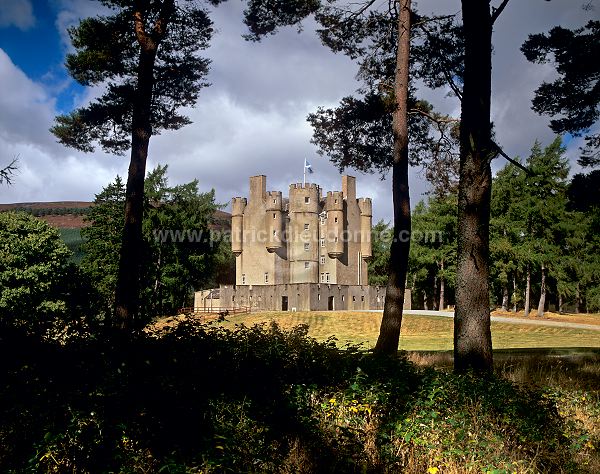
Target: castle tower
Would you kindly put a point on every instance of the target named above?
(273, 221)
(303, 232)
(366, 216)
(238, 205)
(334, 206)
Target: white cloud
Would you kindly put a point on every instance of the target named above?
(17, 13)
(253, 118)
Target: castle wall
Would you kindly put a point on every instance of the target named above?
(306, 297)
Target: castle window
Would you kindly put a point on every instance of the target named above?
(327, 277)
(322, 259)
(306, 247)
(274, 201)
(306, 264)
(266, 278)
(319, 297)
(322, 277)
(353, 298)
(335, 219)
(362, 298)
(335, 201)
(274, 215)
(343, 299)
(306, 200)
(322, 242)
(243, 278)
(306, 226)
(274, 233)
(335, 239)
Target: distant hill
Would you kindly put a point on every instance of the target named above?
(70, 214)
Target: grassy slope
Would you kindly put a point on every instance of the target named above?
(420, 332)
(72, 238)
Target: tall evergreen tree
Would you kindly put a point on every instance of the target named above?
(371, 132)
(145, 54)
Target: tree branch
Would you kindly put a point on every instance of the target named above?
(501, 152)
(497, 11)
(433, 118)
(8, 171)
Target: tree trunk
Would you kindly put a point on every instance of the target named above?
(472, 333)
(435, 290)
(442, 288)
(505, 296)
(542, 302)
(577, 299)
(514, 292)
(560, 304)
(527, 291)
(389, 332)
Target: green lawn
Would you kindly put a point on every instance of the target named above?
(420, 332)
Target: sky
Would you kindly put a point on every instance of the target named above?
(252, 119)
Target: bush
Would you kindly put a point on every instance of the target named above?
(40, 290)
(201, 398)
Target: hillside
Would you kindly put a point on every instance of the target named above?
(71, 214)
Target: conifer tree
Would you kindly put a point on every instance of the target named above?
(145, 54)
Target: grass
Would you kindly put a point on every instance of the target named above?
(72, 238)
(426, 333)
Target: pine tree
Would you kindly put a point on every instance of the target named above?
(145, 54)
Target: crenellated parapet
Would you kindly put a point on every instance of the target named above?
(304, 237)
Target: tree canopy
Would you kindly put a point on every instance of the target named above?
(573, 99)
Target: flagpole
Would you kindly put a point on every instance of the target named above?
(304, 180)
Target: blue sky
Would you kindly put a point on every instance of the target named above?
(34, 44)
(252, 120)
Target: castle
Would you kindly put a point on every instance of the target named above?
(304, 252)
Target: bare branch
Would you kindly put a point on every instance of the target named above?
(433, 118)
(362, 9)
(497, 11)
(7, 173)
(501, 152)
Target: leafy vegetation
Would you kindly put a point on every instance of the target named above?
(180, 251)
(199, 397)
(41, 292)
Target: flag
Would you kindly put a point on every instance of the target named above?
(308, 167)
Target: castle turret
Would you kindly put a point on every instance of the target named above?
(334, 205)
(273, 220)
(303, 232)
(366, 216)
(238, 205)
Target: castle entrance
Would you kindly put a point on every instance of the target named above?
(331, 303)
(284, 303)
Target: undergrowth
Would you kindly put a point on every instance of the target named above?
(202, 398)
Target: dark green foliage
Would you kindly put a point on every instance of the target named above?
(264, 18)
(180, 252)
(41, 293)
(107, 52)
(381, 237)
(199, 397)
(573, 98)
(432, 263)
(102, 241)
